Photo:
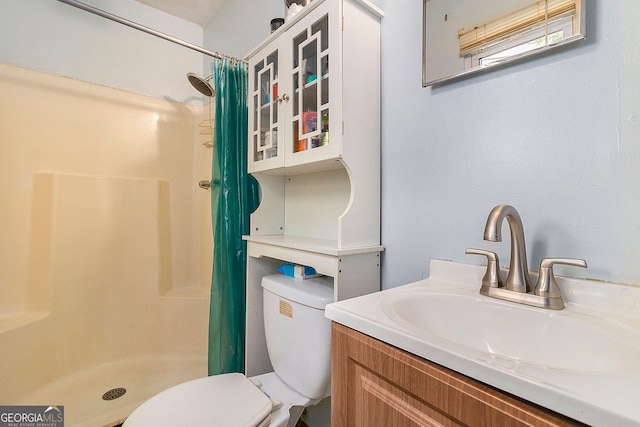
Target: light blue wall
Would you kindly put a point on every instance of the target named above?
(557, 137)
(50, 36)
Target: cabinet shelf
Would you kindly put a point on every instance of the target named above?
(308, 244)
(312, 83)
(307, 168)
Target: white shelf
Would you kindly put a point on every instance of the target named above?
(306, 168)
(320, 246)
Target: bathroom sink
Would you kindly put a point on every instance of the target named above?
(582, 362)
(518, 337)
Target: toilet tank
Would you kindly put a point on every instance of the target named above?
(298, 335)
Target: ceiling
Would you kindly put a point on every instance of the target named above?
(197, 11)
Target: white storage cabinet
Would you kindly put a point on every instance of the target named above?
(314, 147)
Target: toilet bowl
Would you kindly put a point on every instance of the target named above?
(299, 344)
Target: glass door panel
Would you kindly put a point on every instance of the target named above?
(311, 87)
(322, 26)
(296, 43)
(264, 140)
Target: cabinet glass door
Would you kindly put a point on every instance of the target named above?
(310, 72)
(265, 127)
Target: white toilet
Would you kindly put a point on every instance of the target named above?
(299, 344)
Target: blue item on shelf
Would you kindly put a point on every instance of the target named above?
(298, 271)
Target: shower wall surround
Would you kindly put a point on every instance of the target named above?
(106, 239)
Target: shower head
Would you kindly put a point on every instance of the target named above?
(201, 84)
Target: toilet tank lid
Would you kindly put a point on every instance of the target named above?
(316, 292)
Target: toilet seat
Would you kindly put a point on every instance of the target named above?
(224, 400)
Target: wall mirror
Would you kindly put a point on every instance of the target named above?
(463, 37)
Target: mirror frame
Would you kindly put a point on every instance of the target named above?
(581, 35)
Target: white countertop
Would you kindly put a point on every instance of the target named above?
(608, 396)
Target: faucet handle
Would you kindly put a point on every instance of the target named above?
(492, 277)
(546, 285)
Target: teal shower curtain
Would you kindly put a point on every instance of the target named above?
(234, 195)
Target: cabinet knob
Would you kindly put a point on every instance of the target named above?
(284, 97)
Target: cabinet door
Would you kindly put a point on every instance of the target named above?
(376, 385)
(314, 75)
(266, 134)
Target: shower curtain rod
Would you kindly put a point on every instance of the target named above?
(147, 30)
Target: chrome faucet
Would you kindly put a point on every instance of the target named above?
(518, 277)
(517, 287)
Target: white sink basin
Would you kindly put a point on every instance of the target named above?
(519, 337)
(583, 361)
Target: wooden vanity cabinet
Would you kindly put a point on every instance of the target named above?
(375, 384)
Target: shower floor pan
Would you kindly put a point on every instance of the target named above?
(81, 394)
